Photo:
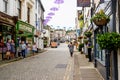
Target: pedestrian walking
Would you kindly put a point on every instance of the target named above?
(23, 46)
(34, 48)
(71, 48)
(20, 49)
(8, 53)
(13, 49)
(89, 51)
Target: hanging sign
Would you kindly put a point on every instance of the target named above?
(83, 3)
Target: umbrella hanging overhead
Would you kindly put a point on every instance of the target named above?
(51, 13)
(54, 9)
(48, 17)
(58, 1)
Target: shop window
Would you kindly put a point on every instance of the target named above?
(19, 9)
(100, 54)
(5, 5)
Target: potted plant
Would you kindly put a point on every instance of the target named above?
(109, 41)
(85, 41)
(88, 34)
(80, 47)
(100, 18)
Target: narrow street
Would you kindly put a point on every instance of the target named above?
(50, 65)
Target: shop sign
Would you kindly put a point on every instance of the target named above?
(6, 19)
(25, 28)
(83, 3)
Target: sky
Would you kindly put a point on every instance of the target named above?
(64, 17)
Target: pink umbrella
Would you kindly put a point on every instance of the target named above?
(51, 13)
(54, 9)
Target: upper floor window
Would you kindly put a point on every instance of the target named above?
(28, 15)
(5, 4)
(39, 8)
(19, 9)
(36, 4)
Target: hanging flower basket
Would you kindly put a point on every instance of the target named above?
(100, 22)
(85, 41)
(80, 37)
(100, 18)
(88, 34)
(109, 41)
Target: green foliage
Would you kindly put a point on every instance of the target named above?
(88, 34)
(109, 41)
(99, 16)
(81, 17)
(80, 46)
(85, 41)
(81, 23)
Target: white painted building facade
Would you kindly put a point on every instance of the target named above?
(39, 15)
(10, 7)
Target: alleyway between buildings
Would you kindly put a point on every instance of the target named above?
(54, 64)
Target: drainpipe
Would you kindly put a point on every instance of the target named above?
(114, 54)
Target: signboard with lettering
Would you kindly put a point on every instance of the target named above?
(25, 28)
(83, 3)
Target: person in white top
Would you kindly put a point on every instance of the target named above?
(34, 48)
(23, 47)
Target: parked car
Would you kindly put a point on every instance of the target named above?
(54, 44)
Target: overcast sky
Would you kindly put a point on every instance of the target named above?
(65, 16)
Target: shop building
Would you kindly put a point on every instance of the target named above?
(7, 31)
(24, 32)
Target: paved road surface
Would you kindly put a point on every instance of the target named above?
(50, 65)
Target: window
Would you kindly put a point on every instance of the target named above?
(28, 15)
(39, 8)
(36, 4)
(119, 15)
(100, 55)
(19, 9)
(36, 20)
(5, 4)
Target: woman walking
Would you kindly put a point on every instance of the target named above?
(71, 48)
(13, 49)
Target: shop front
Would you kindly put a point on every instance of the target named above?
(7, 31)
(24, 32)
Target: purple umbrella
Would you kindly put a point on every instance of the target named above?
(51, 13)
(54, 9)
(48, 17)
(58, 1)
(46, 20)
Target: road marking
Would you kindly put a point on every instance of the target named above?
(68, 70)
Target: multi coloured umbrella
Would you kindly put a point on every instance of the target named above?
(54, 9)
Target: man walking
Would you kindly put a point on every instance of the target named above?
(23, 49)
